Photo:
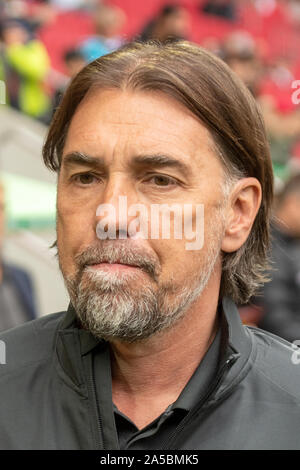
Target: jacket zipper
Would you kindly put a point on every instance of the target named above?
(227, 364)
(99, 421)
(93, 394)
(105, 441)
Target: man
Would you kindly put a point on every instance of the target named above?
(74, 62)
(280, 299)
(171, 23)
(223, 9)
(108, 20)
(151, 353)
(17, 303)
(24, 65)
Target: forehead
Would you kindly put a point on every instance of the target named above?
(124, 123)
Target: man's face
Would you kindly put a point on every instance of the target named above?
(249, 71)
(177, 25)
(151, 149)
(15, 34)
(74, 66)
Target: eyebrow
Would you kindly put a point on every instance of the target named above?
(155, 160)
(79, 158)
(161, 160)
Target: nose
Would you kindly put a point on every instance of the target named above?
(114, 215)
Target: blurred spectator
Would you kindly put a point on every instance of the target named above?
(272, 88)
(17, 303)
(224, 9)
(241, 54)
(24, 65)
(108, 23)
(281, 297)
(35, 12)
(281, 115)
(172, 22)
(74, 62)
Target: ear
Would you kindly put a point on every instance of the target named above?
(243, 205)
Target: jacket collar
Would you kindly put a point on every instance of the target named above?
(71, 343)
(238, 339)
(69, 319)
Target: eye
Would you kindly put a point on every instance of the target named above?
(85, 179)
(162, 180)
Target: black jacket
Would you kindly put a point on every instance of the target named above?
(280, 297)
(48, 401)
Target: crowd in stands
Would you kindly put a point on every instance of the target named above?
(44, 43)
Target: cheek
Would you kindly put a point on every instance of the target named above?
(177, 263)
(76, 229)
(182, 259)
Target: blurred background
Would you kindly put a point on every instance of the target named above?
(44, 43)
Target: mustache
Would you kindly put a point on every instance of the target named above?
(123, 252)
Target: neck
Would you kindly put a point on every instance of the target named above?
(166, 361)
(150, 375)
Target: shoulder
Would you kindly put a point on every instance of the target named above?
(17, 274)
(277, 362)
(28, 344)
(12, 268)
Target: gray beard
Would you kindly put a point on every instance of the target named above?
(129, 309)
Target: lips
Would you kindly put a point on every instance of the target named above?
(114, 262)
(115, 266)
